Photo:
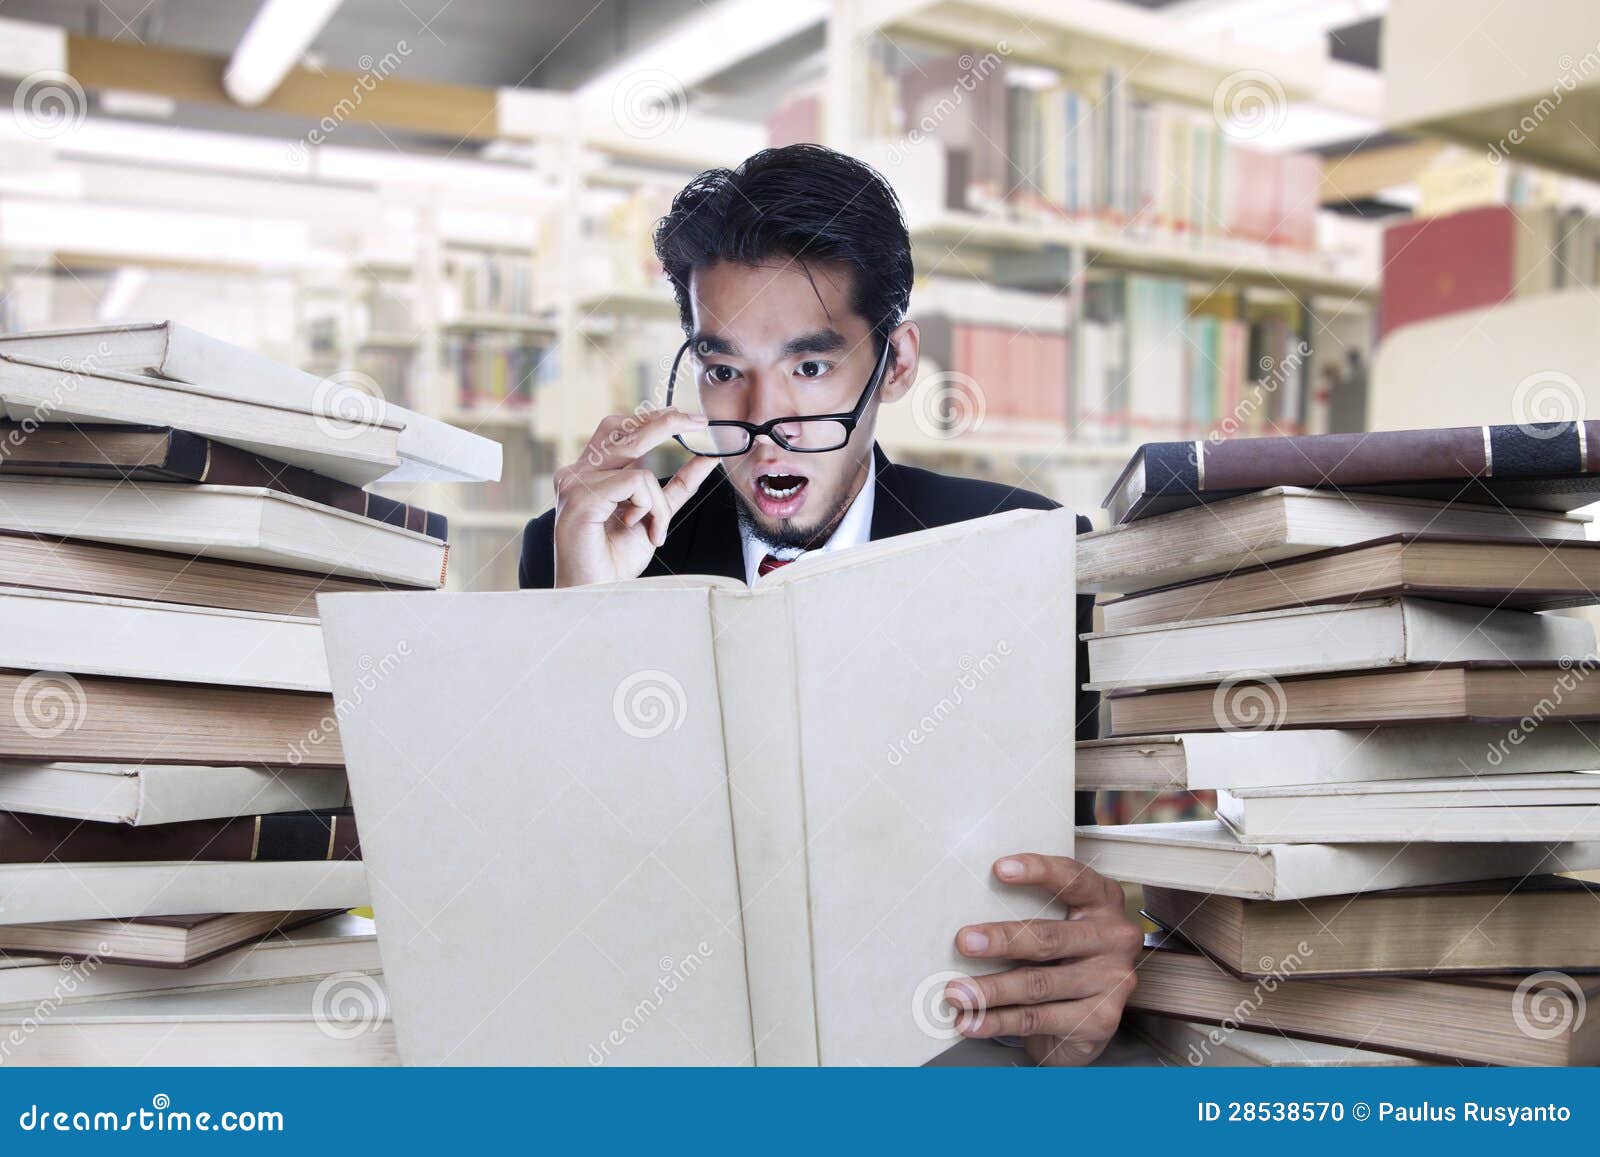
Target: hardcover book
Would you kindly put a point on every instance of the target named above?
(776, 803)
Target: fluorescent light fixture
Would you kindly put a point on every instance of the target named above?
(277, 38)
(120, 102)
(124, 287)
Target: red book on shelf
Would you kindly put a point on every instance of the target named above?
(1443, 265)
(1255, 180)
(1294, 225)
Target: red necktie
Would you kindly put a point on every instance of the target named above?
(771, 563)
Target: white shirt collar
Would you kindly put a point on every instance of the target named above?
(854, 529)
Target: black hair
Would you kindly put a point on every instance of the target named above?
(803, 202)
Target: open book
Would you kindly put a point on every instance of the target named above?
(686, 821)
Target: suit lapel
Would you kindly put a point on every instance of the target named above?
(891, 511)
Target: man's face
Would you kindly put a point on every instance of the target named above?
(775, 341)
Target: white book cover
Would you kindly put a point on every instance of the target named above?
(340, 1019)
(134, 639)
(242, 523)
(353, 452)
(41, 893)
(342, 943)
(1205, 856)
(1245, 759)
(142, 794)
(429, 450)
(745, 822)
(1360, 636)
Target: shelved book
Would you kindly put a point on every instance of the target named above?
(343, 943)
(1200, 761)
(1285, 522)
(428, 450)
(1522, 924)
(1533, 466)
(1521, 574)
(794, 848)
(1479, 1019)
(1204, 855)
(1187, 1042)
(1369, 635)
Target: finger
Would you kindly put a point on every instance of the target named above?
(596, 495)
(1075, 885)
(659, 517)
(1093, 1018)
(616, 446)
(682, 485)
(1036, 984)
(1047, 939)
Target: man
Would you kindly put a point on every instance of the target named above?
(793, 274)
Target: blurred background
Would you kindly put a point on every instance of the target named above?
(1132, 221)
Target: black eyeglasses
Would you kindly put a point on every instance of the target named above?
(820, 433)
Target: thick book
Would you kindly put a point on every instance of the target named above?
(1203, 855)
(1521, 924)
(158, 576)
(1481, 1020)
(1477, 692)
(94, 635)
(155, 793)
(1533, 466)
(1364, 636)
(162, 454)
(782, 800)
(353, 452)
(325, 834)
(1201, 761)
(60, 718)
(338, 1020)
(45, 893)
(1187, 1042)
(1286, 522)
(430, 450)
(1537, 575)
(160, 941)
(343, 943)
(1554, 805)
(240, 523)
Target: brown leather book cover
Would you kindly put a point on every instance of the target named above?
(1537, 466)
(159, 454)
(328, 834)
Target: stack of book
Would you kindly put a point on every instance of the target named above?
(176, 840)
(1351, 640)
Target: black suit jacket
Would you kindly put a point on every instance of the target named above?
(704, 539)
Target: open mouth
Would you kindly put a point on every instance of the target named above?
(780, 495)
